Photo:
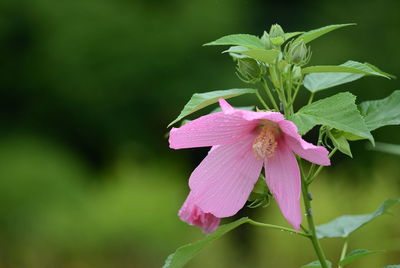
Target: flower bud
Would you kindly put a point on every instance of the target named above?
(277, 35)
(296, 72)
(249, 70)
(296, 52)
(265, 39)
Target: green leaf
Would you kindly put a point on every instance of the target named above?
(350, 66)
(287, 36)
(339, 140)
(247, 108)
(376, 69)
(357, 254)
(185, 253)
(313, 34)
(392, 266)
(383, 112)
(264, 55)
(316, 264)
(343, 226)
(387, 148)
(201, 100)
(338, 111)
(318, 81)
(244, 40)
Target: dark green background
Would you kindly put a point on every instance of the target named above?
(86, 91)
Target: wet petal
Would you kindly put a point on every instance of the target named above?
(220, 128)
(306, 150)
(283, 179)
(223, 181)
(193, 215)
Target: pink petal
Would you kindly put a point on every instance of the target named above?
(308, 151)
(283, 179)
(225, 106)
(193, 215)
(220, 128)
(223, 181)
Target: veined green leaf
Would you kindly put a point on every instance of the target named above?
(383, 112)
(244, 40)
(201, 100)
(338, 111)
(387, 148)
(318, 81)
(343, 226)
(313, 34)
(316, 264)
(185, 253)
(350, 66)
(357, 254)
(264, 55)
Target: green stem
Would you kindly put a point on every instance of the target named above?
(262, 101)
(261, 224)
(344, 250)
(281, 93)
(311, 98)
(312, 178)
(295, 92)
(311, 225)
(271, 97)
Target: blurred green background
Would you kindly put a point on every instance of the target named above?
(87, 89)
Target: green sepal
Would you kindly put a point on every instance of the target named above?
(260, 196)
(339, 140)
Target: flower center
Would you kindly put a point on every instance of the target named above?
(265, 143)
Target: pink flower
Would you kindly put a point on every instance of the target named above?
(193, 215)
(244, 141)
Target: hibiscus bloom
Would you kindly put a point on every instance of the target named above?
(242, 143)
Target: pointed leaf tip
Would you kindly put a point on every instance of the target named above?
(244, 40)
(357, 254)
(314, 34)
(343, 226)
(201, 100)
